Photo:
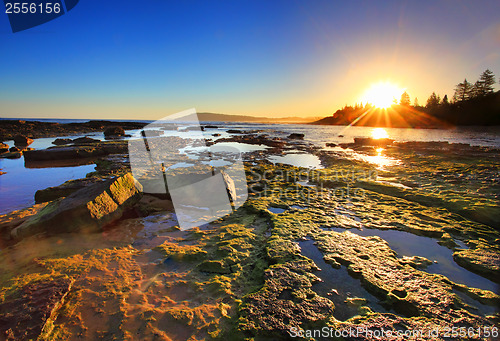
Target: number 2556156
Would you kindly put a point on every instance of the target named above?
(31, 7)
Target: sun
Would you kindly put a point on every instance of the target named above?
(382, 94)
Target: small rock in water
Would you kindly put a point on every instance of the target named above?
(356, 301)
(114, 131)
(11, 155)
(61, 142)
(86, 139)
(296, 136)
(4, 148)
(21, 140)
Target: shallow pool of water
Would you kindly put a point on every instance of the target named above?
(276, 210)
(339, 279)
(298, 160)
(19, 184)
(408, 244)
(305, 183)
(229, 147)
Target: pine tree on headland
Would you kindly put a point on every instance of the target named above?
(463, 91)
(433, 101)
(487, 80)
(478, 89)
(405, 99)
(484, 85)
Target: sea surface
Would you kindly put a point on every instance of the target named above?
(474, 135)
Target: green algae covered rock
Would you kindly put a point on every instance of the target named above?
(86, 210)
(285, 301)
(214, 266)
(484, 261)
(181, 252)
(31, 312)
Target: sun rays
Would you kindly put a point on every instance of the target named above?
(382, 95)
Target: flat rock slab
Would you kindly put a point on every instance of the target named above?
(86, 210)
(26, 316)
(67, 188)
(79, 151)
(485, 262)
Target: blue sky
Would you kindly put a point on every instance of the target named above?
(147, 59)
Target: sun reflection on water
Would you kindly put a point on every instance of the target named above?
(380, 159)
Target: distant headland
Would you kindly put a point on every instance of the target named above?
(472, 105)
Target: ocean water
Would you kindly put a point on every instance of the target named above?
(320, 135)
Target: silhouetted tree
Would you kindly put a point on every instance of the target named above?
(433, 101)
(415, 102)
(445, 100)
(463, 91)
(487, 80)
(478, 89)
(405, 99)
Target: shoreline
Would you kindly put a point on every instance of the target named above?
(40, 129)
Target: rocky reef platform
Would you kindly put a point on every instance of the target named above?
(99, 258)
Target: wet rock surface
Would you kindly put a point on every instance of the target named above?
(63, 190)
(114, 132)
(31, 313)
(484, 261)
(83, 148)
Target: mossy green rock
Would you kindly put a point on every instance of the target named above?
(485, 262)
(87, 210)
(214, 266)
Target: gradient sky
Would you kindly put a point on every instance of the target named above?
(150, 58)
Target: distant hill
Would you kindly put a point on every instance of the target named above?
(208, 116)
